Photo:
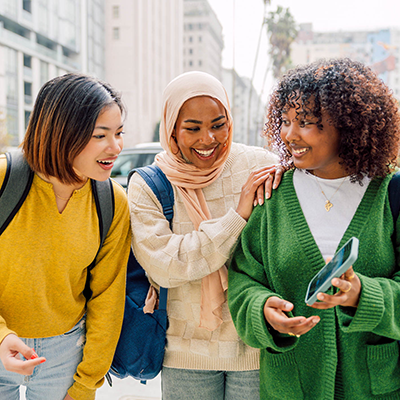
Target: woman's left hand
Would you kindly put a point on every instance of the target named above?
(272, 182)
(348, 295)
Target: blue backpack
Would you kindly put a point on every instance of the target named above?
(140, 350)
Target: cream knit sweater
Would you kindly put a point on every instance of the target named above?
(179, 260)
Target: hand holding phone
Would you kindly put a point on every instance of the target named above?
(339, 264)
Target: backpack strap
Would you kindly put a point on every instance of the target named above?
(104, 199)
(394, 195)
(16, 185)
(162, 188)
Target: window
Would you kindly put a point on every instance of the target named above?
(116, 33)
(190, 51)
(200, 63)
(28, 92)
(190, 39)
(115, 11)
(27, 61)
(27, 5)
(190, 63)
(200, 38)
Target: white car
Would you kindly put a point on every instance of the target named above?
(134, 157)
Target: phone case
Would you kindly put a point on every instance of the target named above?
(349, 251)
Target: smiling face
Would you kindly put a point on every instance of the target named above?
(313, 149)
(201, 131)
(97, 158)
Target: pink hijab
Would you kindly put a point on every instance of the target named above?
(190, 179)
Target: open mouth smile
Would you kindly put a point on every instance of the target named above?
(205, 153)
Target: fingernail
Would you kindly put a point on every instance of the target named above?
(315, 321)
(260, 201)
(255, 202)
(34, 355)
(267, 195)
(274, 186)
(41, 362)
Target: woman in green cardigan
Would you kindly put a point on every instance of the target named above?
(337, 125)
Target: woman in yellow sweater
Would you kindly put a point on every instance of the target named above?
(52, 340)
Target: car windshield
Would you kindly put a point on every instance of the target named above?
(125, 162)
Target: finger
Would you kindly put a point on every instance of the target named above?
(342, 284)
(278, 176)
(268, 187)
(260, 195)
(23, 367)
(349, 274)
(280, 304)
(303, 327)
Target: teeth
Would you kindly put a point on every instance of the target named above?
(105, 162)
(301, 151)
(205, 153)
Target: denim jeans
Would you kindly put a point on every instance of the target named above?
(53, 378)
(186, 384)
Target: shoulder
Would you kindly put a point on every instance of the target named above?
(250, 157)
(119, 192)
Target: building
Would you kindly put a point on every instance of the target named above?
(144, 53)
(248, 121)
(40, 40)
(380, 49)
(202, 38)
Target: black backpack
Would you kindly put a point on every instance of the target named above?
(17, 183)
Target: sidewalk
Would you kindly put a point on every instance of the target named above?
(128, 389)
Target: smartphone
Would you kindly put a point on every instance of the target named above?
(340, 263)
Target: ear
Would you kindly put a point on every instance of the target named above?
(174, 143)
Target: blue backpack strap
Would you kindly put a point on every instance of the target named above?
(16, 185)
(394, 195)
(162, 188)
(103, 194)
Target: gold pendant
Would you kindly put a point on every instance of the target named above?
(328, 205)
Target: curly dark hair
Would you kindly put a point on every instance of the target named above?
(359, 105)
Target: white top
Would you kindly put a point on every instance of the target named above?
(328, 227)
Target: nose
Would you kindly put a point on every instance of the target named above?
(115, 145)
(208, 137)
(289, 133)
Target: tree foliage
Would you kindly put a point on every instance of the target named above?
(282, 31)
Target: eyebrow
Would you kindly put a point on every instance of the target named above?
(106, 128)
(194, 121)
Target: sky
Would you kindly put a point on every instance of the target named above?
(242, 21)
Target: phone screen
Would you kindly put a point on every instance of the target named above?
(330, 268)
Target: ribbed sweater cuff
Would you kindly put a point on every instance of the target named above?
(370, 308)
(79, 392)
(258, 322)
(233, 223)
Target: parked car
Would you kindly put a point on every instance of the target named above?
(134, 157)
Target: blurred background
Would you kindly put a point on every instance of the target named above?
(140, 45)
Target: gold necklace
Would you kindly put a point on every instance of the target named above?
(328, 203)
(63, 198)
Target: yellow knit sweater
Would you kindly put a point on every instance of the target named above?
(43, 258)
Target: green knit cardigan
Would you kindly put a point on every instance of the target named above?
(351, 353)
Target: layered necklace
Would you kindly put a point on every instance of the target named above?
(328, 202)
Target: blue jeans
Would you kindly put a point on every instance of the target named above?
(53, 378)
(186, 384)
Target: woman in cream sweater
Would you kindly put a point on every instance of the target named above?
(215, 185)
